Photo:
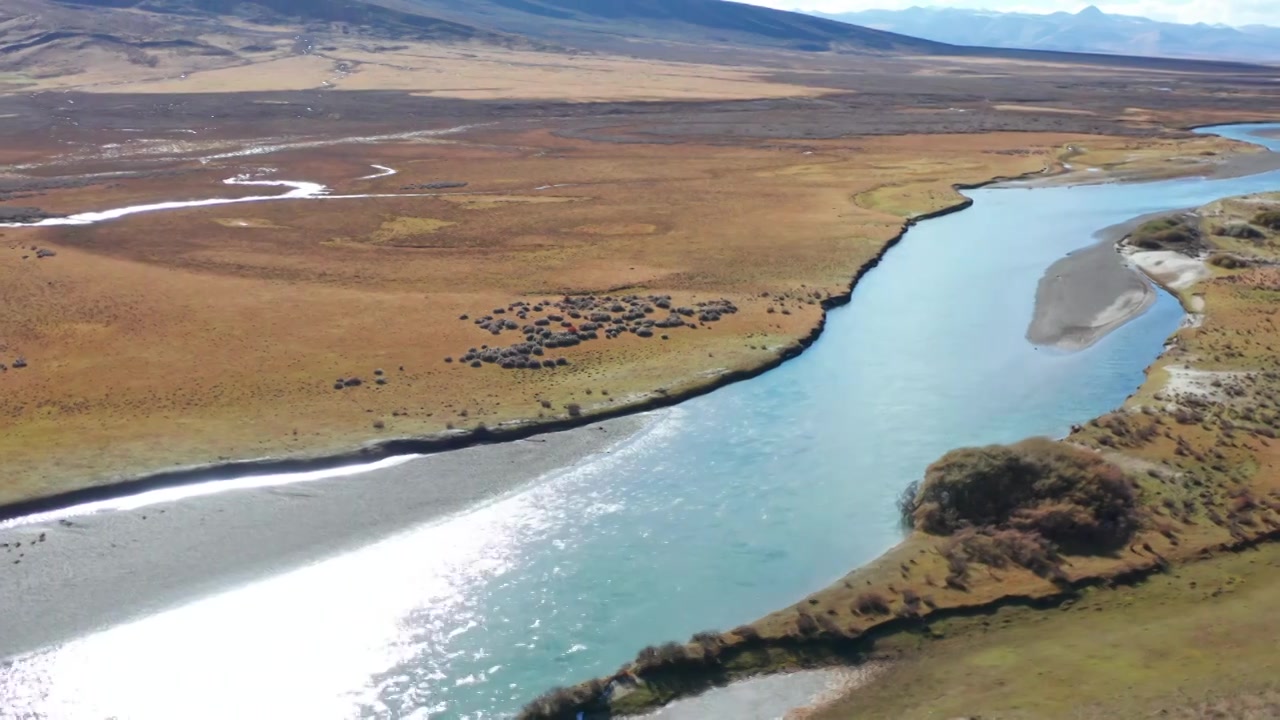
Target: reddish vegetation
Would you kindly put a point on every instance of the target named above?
(1067, 495)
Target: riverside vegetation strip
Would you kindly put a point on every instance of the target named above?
(1148, 496)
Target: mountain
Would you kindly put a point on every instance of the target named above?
(601, 24)
(592, 24)
(1088, 31)
(60, 43)
(100, 41)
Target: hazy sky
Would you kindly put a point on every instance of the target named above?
(1231, 12)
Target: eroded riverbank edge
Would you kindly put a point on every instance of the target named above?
(127, 485)
(826, 629)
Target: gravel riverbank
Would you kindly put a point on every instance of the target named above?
(69, 573)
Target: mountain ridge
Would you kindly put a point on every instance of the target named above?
(1088, 31)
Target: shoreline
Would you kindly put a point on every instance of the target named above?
(129, 485)
(72, 574)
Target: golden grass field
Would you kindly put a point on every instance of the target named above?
(476, 72)
(200, 335)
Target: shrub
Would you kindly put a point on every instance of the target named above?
(1243, 231)
(957, 563)
(1068, 495)
(871, 603)
(1268, 219)
(1158, 234)
(1228, 262)
(709, 641)
(562, 702)
(1001, 548)
(806, 625)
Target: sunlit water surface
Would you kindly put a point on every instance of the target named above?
(725, 508)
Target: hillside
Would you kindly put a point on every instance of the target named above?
(107, 42)
(600, 24)
(1088, 31)
(97, 41)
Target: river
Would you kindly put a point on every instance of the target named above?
(720, 510)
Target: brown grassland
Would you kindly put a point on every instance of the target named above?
(199, 336)
(181, 325)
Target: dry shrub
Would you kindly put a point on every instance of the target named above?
(1002, 548)
(806, 624)
(871, 603)
(652, 657)
(1174, 232)
(562, 702)
(1228, 262)
(1264, 705)
(1068, 495)
(1243, 231)
(1268, 219)
(707, 639)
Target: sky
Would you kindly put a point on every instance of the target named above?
(1230, 12)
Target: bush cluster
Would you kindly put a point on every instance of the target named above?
(1067, 495)
(1163, 233)
(1269, 219)
(562, 702)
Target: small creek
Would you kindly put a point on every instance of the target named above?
(724, 508)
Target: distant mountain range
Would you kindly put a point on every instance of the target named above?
(584, 24)
(102, 40)
(1088, 31)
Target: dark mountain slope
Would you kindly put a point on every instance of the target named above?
(367, 16)
(597, 23)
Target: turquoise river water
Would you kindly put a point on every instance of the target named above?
(721, 510)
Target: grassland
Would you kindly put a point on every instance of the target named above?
(471, 72)
(1194, 643)
(151, 339)
(205, 335)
